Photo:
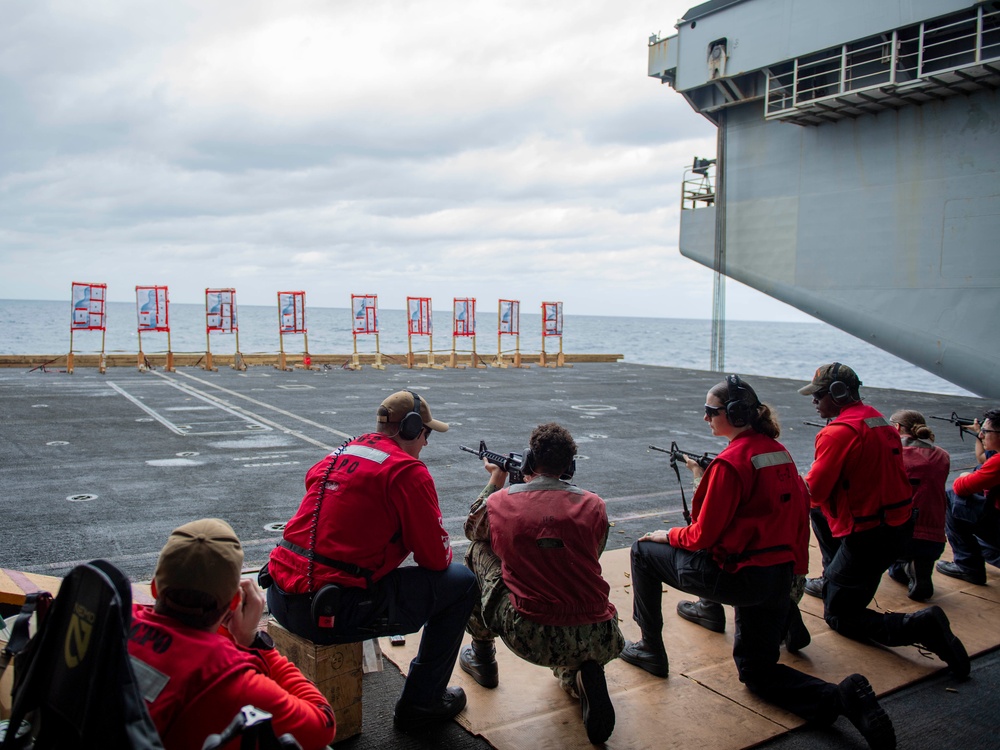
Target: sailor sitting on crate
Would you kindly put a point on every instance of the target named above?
(202, 658)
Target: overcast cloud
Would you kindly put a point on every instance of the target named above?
(447, 148)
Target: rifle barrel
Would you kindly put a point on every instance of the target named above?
(955, 420)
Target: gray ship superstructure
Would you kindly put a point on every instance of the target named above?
(858, 166)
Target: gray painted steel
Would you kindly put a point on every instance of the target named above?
(882, 223)
(763, 32)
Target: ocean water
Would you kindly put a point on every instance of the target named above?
(787, 350)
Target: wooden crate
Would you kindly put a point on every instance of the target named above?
(336, 670)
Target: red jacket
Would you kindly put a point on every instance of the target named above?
(379, 506)
(927, 468)
(984, 478)
(750, 508)
(198, 681)
(858, 478)
(549, 535)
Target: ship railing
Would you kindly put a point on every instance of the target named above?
(698, 188)
(912, 57)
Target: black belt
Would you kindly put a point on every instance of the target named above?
(747, 554)
(351, 568)
(880, 516)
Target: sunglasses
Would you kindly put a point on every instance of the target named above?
(984, 431)
(819, 395)
(427, 433)
(712, 411)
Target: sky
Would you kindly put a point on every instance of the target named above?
(455, 148)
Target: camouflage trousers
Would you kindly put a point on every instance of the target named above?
(562, 647)
(798, 588)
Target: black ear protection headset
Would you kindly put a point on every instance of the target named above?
(412, 424)
(528, 466)
(740, 402)
(839, 391)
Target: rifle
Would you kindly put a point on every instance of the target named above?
(511, 463)
(815, 424)
(676, 454)
(960, 422)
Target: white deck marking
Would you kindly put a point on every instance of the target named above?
(195, 391)
(246, 422)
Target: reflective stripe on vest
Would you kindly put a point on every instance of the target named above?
(763, 460)
(362, 451)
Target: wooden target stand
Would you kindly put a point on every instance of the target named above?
(142, 361)
(515, 356)
(473, 357)
(560, 358)
(512, 322)
(88, 310)
(238, 362)
(102, 362)
(306, 363)
(411, 359)
(356, 359)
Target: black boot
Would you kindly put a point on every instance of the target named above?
(797, 636)
(815, 586)
(708, 614)
(929, 628)
(448, 704)
(954, 570)
(921, 587)
(647, 654)
(898, 573)
(859, 704)
(595, 703)
(479, 660)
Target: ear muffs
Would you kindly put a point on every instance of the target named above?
(527, 462)
(737, 408)
(570, 471)
(528, 466)
(839, 391)
(412, 424)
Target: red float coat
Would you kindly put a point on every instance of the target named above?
(984, 478)
(858, 479)
(197, 681)
(549, 535)
(750, 508)
(379, 506)
(927, 468)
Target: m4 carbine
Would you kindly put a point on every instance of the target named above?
(676, 454)
(960, 422)
(511, 463)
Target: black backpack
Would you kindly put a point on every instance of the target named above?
(74, 680)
